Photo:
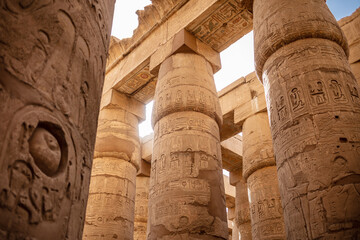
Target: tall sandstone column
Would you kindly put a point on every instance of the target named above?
(52, 65)
(242, 208)
(314, 110)
(260, 173)
(142, 201)
(111, 204)
(186, 182)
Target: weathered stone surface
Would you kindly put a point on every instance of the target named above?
(110, 211)
(314, 110)
(141, 207)
(280, 22)
(235, 233)
(242, 219)
(52, 65)
(260, 173)
(351, 27)
(214, 24)
(231, 151)
(186, 185)
(229, 193)
(240, 100)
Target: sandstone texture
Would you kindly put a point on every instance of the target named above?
(111, 205)
(52, 67)
(259, 171)
(314, 109)
(186, 185)
(141, 207)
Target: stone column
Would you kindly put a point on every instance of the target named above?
(186, 184)
(242, 207)
(111, 203)
(313, 102)
(235, 232)
(141, 207)
(259, 171)
(141, 201)
(52, 64)
(231, 219)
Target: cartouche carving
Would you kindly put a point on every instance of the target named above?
(51, 76)
(316, 141)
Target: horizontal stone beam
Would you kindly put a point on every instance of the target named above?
(214, 24)
(184, 41)
(229, 193)
(115, 99)
(240, 100)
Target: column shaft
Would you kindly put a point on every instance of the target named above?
(235, 232)
(314, 110)
(242, 208)
(141, 207)
(186, 184)
(111, 204)
(259, 170)
(52, 64)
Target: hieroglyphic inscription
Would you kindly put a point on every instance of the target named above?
(224, 25)
(313, 149)
(186, 186)
(52, 61)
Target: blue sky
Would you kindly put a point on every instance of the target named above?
(342, 8)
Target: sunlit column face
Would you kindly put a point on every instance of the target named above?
(314, 115)
(186, 187)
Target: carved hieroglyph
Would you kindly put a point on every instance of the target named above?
(186, 184)
(141, 207)
(259, 170)
(111, 204)
(313, 102)
(52, 64)
(242, 207)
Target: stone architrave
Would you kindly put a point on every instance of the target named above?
(260, 173)
(186, 198)
(111, 203)
(52, 66)
(141, 207)
(313, 101)
(242, 219)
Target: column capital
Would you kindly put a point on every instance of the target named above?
(184, 42)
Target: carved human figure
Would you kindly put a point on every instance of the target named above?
(46, 139)
(45, 150)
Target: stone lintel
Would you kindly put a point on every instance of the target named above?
(240, 100)
(116, 99)
(144, 169)
(147, 147)
(235, 176)
(229, 193)
(231, 151)
(231, 213)
(184, 42)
